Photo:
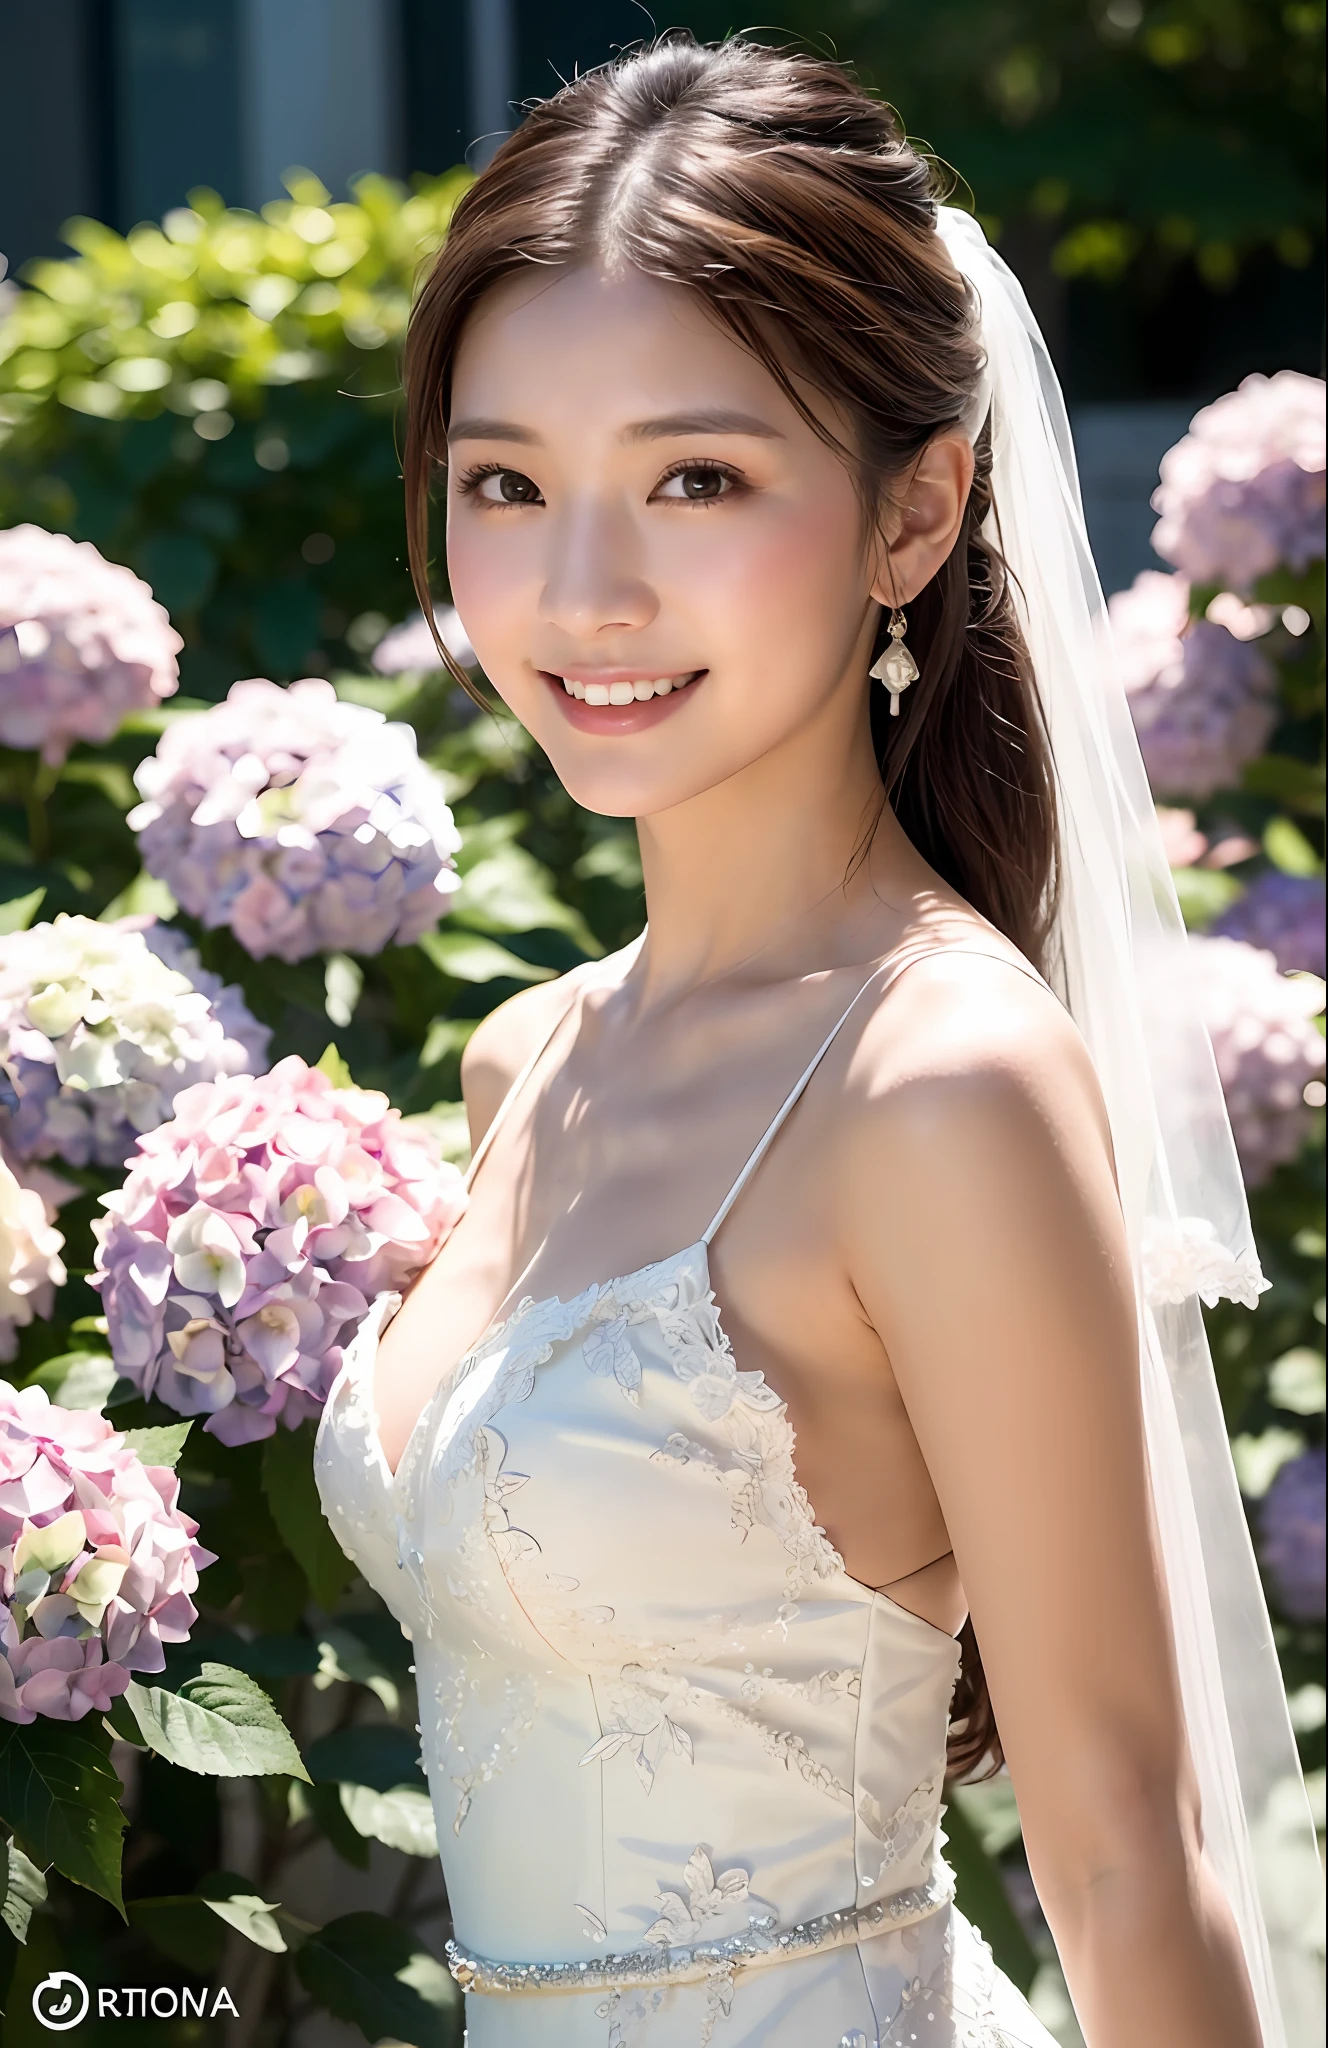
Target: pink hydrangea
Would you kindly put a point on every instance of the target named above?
(304, 823)
(252, 1234)
(82, 643)
(97, 1563)
(1200, 697)
(411, 645)
(1268, 1048)
(1243, 493)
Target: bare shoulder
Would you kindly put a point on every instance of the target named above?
(969, 1051)
(502, 1042)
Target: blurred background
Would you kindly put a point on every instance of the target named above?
(1154, 172)
(213, 214)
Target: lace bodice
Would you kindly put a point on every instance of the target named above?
(665, 1730)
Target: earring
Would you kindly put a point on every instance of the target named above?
(896, 667)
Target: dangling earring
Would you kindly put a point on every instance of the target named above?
(896, 667)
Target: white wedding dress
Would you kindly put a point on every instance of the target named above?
(687, 1772)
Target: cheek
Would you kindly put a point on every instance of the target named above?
(782, 589)
(490, 568)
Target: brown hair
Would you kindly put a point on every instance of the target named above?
(773, 186)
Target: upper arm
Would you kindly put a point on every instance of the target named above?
(988, 1250)
(500, 1045)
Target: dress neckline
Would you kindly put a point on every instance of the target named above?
(638, 1285)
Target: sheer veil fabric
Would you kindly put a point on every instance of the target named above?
(1120, 966)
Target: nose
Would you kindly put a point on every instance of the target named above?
(594, 576)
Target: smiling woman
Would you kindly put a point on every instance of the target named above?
(733, 419)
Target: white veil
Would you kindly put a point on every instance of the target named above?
(1122, 971)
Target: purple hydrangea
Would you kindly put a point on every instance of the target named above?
(97, 1563)
(82, 643)
(412, 646)
(1267, 1047)
(1200, 697)
(1284, 914)
(1243, 493)
(1291, 1526)
(101, 1026)
(305, 824)
(250, 1237)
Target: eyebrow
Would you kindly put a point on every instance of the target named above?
(669, 426)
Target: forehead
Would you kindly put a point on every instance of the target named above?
(600, 344)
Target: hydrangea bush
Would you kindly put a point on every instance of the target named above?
(1269, 1048)
(251, 1235)
(101, 1026)
(31, 1268)
(98, 1565)
(1243, 493)
(1201, 698)
(83, 642)
(1291, 1525)
(305, 824)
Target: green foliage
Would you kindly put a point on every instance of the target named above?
(1130, 131)
(221, 1724)
(60, 1799)
(370, 1971)
(292, 1497)
(212, 402)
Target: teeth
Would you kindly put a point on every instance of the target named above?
(639, 692)
(597, 693)
(621, 693)
(662, 688)
(643, 691)
(569, 686)
(579, 690)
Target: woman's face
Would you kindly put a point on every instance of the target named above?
(664, 571)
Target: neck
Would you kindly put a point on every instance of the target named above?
(770, 861)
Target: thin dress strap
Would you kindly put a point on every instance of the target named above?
(891, 969)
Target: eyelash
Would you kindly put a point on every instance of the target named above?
(470, 480)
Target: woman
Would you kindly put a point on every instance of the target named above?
(717, 414)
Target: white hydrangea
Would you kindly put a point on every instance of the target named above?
(82, 643)
(30, 1264)
(99, 1035)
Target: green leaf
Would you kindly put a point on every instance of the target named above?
(375, 1753)
(159, 1446)
(1296, 1382)
(1287, 848)
(1204, 894)
(18, 913)
(292, 1497)
(334, 1066)
(379, 1976)
(402, 1818)
(221, 1725)
(145, 896)
(1298, 785)
(323, 1804)
(982, 1898)
(509, 891)
(61, 1798)
(344, 1660)
(190, 1926)
(76, 1379)
(25, 1887)
(465, 956)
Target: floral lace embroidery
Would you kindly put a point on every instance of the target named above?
(505, 1710)
(900, 1832)
(931, 2010)
(645, 1705)
(683, 1919)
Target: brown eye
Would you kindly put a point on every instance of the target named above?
(700, 484)
(515, 489)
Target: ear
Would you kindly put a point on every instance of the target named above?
(921, 525)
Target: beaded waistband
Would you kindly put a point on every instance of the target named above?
(706, 1962)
